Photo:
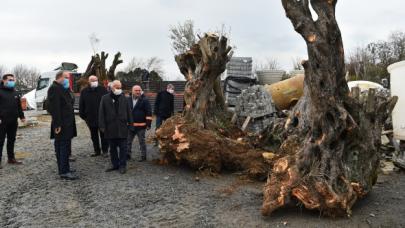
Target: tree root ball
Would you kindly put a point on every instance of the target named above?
(184, 142)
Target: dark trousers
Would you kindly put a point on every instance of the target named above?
(9, 130)
(96, 136)
(118, 159)
(62, 148)
(141, 138)
(160, 120)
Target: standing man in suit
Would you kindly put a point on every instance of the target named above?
(10, 111)
(114, 118)
(63, 125)
(89, 104)
(164, 105)
(142, 114)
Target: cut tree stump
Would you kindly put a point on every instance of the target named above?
(330, 151)
(203, 137)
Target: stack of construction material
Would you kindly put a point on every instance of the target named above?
(256, 103)
(268, 77)
(240, 67)
(239, 77)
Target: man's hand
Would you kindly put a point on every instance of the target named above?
(57, 130)
(23, 120)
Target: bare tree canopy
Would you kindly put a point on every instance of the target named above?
(267, 64)
(26, 77)
(182, 36)
(297, 63)
(371, 62)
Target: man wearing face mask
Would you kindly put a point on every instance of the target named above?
(10, 110)
(89, 105)
(63, 125)
(164, 105)
(142, 114)
(114, 117)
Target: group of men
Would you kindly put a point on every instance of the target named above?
(112, 118)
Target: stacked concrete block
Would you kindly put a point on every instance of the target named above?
(255, 102)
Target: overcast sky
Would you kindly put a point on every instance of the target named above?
(43, 33)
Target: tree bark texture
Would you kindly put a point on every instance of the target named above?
(98, 68)
(330, 152)
(203, 136)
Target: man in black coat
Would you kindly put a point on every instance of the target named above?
(89, 105)
(63, 125)
(114, 118)
(10, 110)
(164, 105)
(142, 114)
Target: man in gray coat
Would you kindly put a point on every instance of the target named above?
(114, 118)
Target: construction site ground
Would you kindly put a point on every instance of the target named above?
(153, 195)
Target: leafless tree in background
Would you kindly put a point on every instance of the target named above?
(297, 65)
(26, 77)
(3, 70)
(267, 64)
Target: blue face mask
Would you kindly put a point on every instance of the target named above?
(10, 84)
(66, 83)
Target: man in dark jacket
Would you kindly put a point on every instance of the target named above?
(114, 118)
(10, 110)
(164, 105)
(142, 114)
(63, 125)
(89, 105)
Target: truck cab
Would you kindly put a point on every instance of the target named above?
(46, 79)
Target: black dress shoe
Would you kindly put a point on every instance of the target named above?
(72, 159)
(72, 170)
(69, 176)
(105, 154)
(123, 170)
(128, 157)
(111, 169)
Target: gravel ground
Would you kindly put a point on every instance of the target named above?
(150, 195)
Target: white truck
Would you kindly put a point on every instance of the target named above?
(46, 79)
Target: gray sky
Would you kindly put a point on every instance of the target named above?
(43, 33)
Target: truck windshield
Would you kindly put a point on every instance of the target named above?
(42, 83)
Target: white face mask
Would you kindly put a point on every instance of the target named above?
(117, 91)
(93, 84)
(170, 91)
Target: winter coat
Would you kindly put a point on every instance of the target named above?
(89, 104)
(141, 113)
(164, 104)
(10, 105)
(114, 122)
(60, 106)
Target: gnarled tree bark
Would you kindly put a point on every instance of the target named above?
(203, 136)
(330, 152)
(97, 67)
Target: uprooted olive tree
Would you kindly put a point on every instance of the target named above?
(329, 156)
(203, 137)
(98, 68)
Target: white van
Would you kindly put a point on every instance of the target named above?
(46, 79)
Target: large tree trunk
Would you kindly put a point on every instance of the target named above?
(98, 68)
(203, 136)
(330, 154)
